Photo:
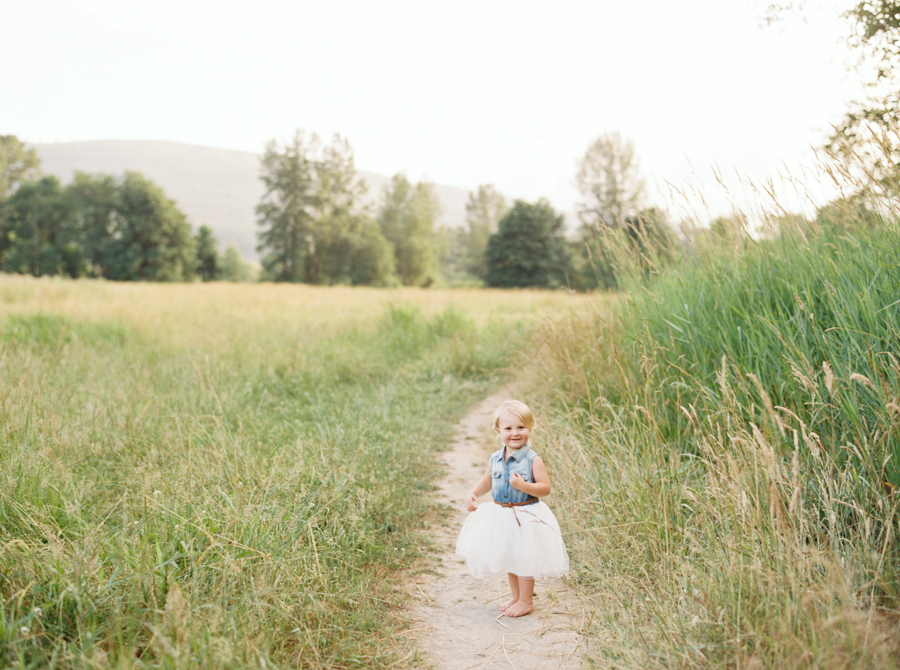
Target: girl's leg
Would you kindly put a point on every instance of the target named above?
(523, 604)
(514, 590)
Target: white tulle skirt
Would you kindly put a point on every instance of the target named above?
(492, 542)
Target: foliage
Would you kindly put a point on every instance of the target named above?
(619, 240)
(484, 210)
(234, 268)
(528, 249)
(17, 164)
(150, 238)
(311, 228)
(95, 226)
(616, 258)
(609, 181)
(406, 220)
(875, 26)
(209, 267)
(287, 213)
(92, 203)
(372, 260)
(33, 228)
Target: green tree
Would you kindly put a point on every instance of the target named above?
(208, 265)
(484, 210)
(372, 261)
(287, 212)
(407, 220)
(868, 137)
(529, 248)
(234, 268)
(870, 130)
(609, 181)
(311, 227)
(150, 238)
(350, 246)
(17, 164)
(91, 205)
(34, 228)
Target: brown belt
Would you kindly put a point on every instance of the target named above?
(518, 504)
(527, 502)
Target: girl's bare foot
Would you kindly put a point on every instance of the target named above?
(519, 609)
(507, 604)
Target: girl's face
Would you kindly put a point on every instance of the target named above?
(512, 431)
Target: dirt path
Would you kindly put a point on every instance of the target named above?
(461, 626)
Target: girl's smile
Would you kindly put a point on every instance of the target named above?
(512, 431)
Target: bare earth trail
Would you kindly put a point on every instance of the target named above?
(460, 625)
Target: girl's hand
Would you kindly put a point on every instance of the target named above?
(472, 502)
(516, 481)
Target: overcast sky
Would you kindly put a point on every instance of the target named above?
(460, 93)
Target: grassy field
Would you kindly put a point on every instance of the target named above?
(230, 476)
(726, 454)
(239, 475)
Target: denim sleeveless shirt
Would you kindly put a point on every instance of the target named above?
(519, 462)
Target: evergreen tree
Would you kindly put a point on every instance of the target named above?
(208, 266)
(407, 220)
(287, 211)
(528, 249)
(311, 227)
(483, 211)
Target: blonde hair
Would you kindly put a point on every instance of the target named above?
(518, 409)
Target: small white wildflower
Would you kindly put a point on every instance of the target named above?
(24, 630)
(38, 612)
(156, 493)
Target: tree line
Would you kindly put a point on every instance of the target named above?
(121, 228)
(317, 226)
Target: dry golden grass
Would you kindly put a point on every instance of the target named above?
(229, 475)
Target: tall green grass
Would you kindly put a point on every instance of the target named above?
(727, 448)
(212, 477)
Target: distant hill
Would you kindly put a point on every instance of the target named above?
(216, 187)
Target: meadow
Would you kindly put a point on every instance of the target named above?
(224, 476)
(726, 454)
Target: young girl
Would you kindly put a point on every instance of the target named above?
(516, 533)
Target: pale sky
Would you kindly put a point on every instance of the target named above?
(460, 93)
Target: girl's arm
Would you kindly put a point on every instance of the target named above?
(541, 485)
(482, 487)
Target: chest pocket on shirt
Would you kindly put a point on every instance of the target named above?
(523, 469)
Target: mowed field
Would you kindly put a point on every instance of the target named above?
(231, 475)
